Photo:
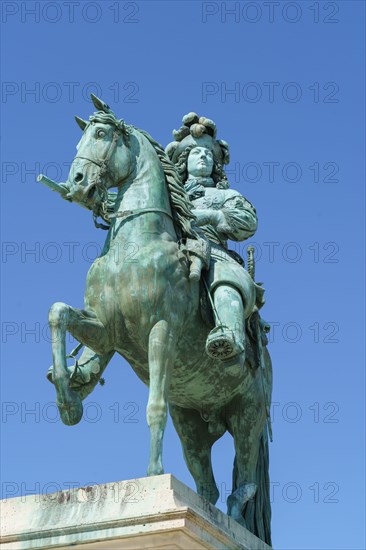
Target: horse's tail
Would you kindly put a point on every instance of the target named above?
(257, 511)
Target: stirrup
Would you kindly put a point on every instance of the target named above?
(221, 344)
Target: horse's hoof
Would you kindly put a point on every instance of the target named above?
(72, 413)
(238, 518)
(237, 500)
(155, 471)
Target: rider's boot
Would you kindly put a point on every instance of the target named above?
(226, 340)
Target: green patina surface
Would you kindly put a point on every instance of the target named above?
(168, 295)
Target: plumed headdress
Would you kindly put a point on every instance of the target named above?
(200, 132)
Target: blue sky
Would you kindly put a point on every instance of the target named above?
(284, 83)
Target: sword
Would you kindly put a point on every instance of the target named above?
(262, 366)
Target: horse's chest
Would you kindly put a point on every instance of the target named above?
(142, 287)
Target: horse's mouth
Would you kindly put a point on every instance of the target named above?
(91, 192)
(83, 195)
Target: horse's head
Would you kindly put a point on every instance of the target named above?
(103, 158)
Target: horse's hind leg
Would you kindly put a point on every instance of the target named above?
(196, 443)
(86, 328)
(245, 420)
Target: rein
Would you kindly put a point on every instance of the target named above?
(128, 213)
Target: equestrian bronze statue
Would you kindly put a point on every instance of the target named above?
(182, 309)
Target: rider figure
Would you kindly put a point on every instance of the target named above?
(222, 214)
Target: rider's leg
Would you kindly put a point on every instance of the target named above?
(226, 340)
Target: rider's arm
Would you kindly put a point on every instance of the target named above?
(241, 218)
(235, 220)
(204, 216)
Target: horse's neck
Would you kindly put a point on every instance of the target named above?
(146, 188)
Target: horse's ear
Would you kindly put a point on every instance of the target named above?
(99, 104)
(82, 123)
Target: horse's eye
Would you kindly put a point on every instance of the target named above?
(101, 133)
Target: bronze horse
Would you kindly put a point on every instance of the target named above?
(149, 311)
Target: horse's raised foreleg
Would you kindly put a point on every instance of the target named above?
(86, 328)
(161, 360)
(86, 375)
(196, 441)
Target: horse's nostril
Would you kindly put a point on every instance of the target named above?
(78, 177)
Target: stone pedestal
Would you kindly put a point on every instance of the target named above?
(149, 513)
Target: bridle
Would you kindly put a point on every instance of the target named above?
(102, 170)
(103, 167)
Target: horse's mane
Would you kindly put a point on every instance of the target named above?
(179, 200)
(180, 203)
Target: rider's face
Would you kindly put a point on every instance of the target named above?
(200, 162)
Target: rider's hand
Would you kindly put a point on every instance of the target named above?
(204, 216)
(221, 223)
(211, 216)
